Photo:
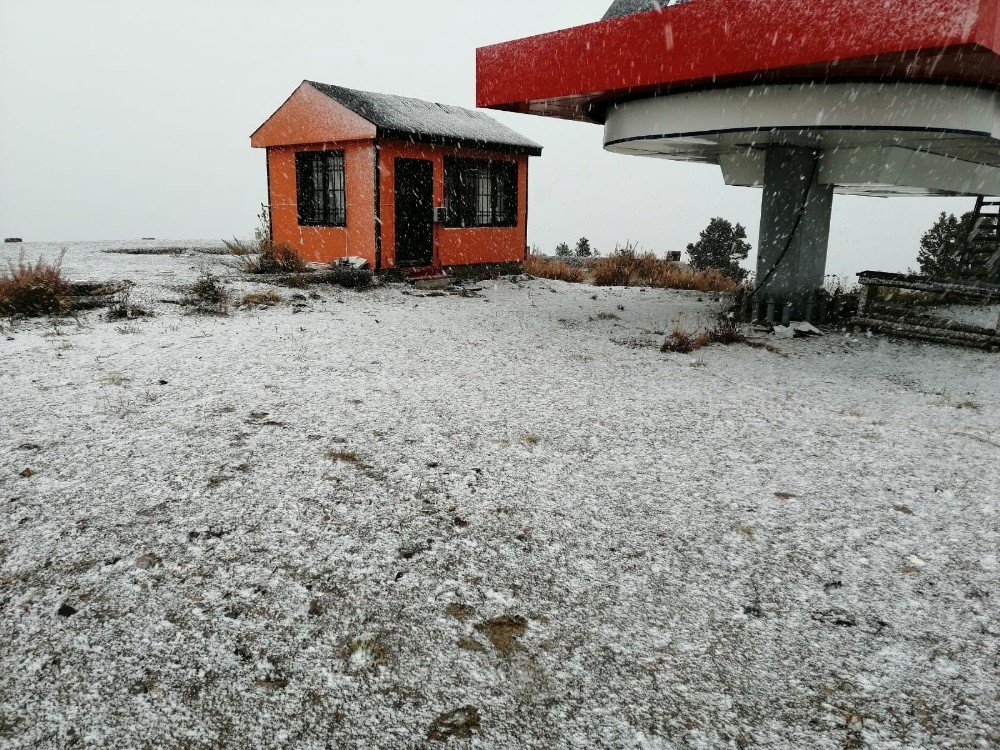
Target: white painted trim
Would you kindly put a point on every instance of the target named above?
(874, 138)
(858, 106)
(892, 166)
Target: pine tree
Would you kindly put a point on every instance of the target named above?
(722, 246)
(583, 248)
(943, 245)
(563, 251)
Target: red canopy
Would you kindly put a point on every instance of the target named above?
(576, 73)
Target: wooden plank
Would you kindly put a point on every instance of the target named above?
(971, 289)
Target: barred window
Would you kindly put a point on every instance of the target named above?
(322, 196)
(480, 193)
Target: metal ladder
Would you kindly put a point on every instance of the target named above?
(983, 244)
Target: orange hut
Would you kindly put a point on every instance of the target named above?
(400, 182)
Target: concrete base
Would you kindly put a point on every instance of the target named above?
(794, 229)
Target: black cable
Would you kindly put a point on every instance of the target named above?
(795, 228)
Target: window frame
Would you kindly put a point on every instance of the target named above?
(469, 197)
(330, 163)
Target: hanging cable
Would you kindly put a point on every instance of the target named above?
(795, 228)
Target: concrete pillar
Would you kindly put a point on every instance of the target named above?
(790, 270)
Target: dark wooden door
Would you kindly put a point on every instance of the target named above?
(414, 212)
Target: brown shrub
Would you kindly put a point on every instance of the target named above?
(273, 258)
(725, 333)
(628, 267)
(685, 342)
(546, 268)
(33, 289)
(207, 296)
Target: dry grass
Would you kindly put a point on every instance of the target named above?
(685, 342)
(628, 267)
(725, 333)
(207, 296)
(269, 258)
(261, 299)
(546, 268)
(239, 247)
(123, 307)
(33, 289)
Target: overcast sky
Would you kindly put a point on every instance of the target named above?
(128, 118)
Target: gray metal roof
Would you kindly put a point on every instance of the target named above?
(628, 7)
(402, 118)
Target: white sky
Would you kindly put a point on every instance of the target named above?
(128, 118)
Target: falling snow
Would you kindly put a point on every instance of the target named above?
(389, 519)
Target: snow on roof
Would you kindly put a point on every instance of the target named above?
(400, 117)
(628, 7)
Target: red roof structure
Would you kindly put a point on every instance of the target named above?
(799, 97)
(574, 74)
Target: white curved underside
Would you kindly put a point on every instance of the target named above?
(874, 139)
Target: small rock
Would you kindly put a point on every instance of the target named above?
(66, 610)
(29, 447)
(803, 329)
(27, 473)
(163, 382)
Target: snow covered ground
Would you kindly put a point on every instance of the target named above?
(381, 520)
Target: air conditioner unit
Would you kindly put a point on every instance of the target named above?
(440, 214)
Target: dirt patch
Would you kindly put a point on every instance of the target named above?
(460, 611)
(471, 644)
(460, 723)
(503, 632)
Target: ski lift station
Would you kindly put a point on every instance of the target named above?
(804, 99)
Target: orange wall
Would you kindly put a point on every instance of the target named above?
(325, 244)
(311, 117)
(454, 247)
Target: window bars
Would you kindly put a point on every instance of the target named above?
(480, 193)
(321, 187)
